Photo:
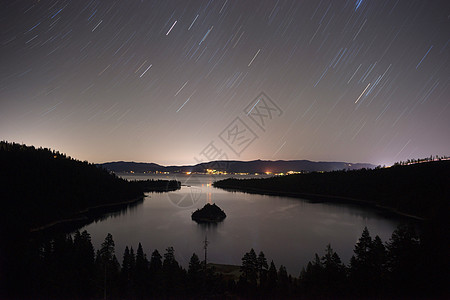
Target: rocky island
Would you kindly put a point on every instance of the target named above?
(210, 213)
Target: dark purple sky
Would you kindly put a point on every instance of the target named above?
(175, 82)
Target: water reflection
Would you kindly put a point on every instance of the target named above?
(288, 230)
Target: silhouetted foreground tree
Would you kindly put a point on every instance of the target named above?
(66, 267)
(393, 270)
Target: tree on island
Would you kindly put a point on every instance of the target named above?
(210, 213)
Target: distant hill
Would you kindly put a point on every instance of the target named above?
(255, 166)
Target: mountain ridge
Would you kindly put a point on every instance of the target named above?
(236, 166)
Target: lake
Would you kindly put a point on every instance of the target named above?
(288, 230)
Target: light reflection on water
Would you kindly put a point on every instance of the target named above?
(288, 230)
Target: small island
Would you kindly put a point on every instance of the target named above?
(210, 213)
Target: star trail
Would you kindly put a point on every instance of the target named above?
(156, 81)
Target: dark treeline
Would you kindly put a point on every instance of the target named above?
(421, 189)
(40, 187)
(421, 160)
(151, 185)
(68, 267)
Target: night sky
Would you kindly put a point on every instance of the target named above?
(176, 82)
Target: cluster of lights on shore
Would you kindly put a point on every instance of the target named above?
(218, 172)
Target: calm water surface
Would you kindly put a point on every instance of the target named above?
(287, 230)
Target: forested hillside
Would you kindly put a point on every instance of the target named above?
(41, 186)
(421, 189)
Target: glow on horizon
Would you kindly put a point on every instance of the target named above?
(105, 82)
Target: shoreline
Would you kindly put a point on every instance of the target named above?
(317, 198)
(92, 213)
(86, 215)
